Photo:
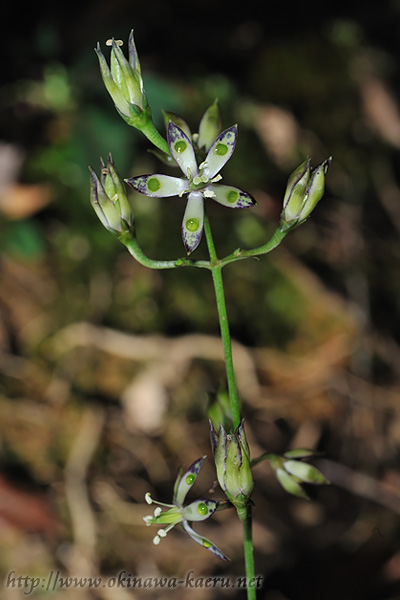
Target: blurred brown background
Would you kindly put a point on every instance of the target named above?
(107, 369)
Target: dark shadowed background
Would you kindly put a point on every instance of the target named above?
(107, 369)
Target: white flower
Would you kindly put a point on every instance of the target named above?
(199, 510)
(200, 181)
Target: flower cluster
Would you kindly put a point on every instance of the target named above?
(199, 510)
(199, 181)
(200, 157)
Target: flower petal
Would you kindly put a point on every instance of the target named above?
(186, 481)
(111, 86)
(240, 433)
(167, 517)
(305, 472)
(300, 453)
(290, 485)
(213, 437)
(229, 196)
(178, 120)
(158, 186)
(220, 151)
(200, 510)
(193, 221)
(104, 207)
(203, 541)
(210, 126)
(181, 149)
(124, 76)
(220, 454)
(133, 55)
(301, 176)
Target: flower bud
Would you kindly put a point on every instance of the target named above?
(109, 200)
(291, 472)
(304, 190)
(232, 461)
(123, 81)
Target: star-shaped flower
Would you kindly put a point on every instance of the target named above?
(199, 510)
(200, 181)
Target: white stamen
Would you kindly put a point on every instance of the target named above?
(208, 193)
(216, 178)
(162, 533)
(148, 498)
(157, 511)
(156, 540)
(148, 520)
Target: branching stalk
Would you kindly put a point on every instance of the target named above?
(245, 512)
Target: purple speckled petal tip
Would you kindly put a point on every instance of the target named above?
(186, 481)
(193, 221)
(220, 151)
(230, 196)
(203, 541)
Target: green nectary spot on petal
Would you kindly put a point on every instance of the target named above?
(221, 149)
(192, 224)
(190, 478)
(202, 509)
(232, 196)
(153, 185)
(206, 543)
(180, 146)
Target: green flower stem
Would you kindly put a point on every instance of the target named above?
(153, 135)
(265, 456)
(245, 512)
(216, 270)
(245, 516)
(215, 265)
(135, 250)
(240, 254)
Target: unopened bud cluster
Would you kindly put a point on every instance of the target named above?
(304, 190)
(232, 461)
(109, 200)
(123, 81)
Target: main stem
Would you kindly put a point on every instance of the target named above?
(245, 512)
(245, 516)
(216, 270)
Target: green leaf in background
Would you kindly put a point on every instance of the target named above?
(23, 239)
